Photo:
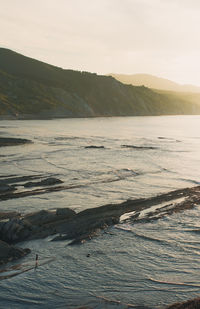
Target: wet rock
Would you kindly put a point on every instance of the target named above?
(94, 147)
(85, 237)
(80, 227)
(66, 212)
(39, 224)
(9, 141)
(89, 223)
(9, 215)
(190, 304)
(138, 147)
(6, 188)
(44, 217)
(86, 225)
(39, 217)
(9, 230)
(9, 253)
(44, 182)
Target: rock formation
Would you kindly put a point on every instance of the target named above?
(190, 304)
(45, 182)
(10, 141)
(9, 253)
(83, 226)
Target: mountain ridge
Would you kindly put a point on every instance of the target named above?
(31, 89)
(154, 82)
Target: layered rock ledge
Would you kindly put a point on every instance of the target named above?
(66, 224)
(9, 185)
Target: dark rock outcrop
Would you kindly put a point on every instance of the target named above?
(88, 223)
(10, 141)
(139, 147)
(190, 304)
(65, 212)
(45, 182)
(9, 253)
(35, 225)
(9, 186)
(9, 215)
(6, 188)
(82, 226)
(39, 217)
(13, 179)
(94, 147)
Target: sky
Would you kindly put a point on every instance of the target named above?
(158, 37)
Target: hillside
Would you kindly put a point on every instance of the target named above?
(154, 82)
(31, 89)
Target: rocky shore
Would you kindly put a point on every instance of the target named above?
(66, 224)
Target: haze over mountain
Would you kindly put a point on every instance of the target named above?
(154, 82)
(31, 89)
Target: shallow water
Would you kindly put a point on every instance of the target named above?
(150, 264)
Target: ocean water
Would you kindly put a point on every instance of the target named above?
(145, 264)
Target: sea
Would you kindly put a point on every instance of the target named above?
(107, 161)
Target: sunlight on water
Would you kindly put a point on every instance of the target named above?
(150, 264)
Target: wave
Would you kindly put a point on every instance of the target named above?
(150, 238)
(190, 180)
(124, 173)
(174, 283)
(169, 139)
(44, 158)
(129, 228)
(22, 268)
(124, 227)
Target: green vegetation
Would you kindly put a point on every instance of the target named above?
(33, 89)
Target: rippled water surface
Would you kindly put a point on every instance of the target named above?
(150, 264)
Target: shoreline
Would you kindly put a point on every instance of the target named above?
(53, 117)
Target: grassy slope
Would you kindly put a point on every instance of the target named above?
(30, 88)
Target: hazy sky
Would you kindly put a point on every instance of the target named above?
(159, 37)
